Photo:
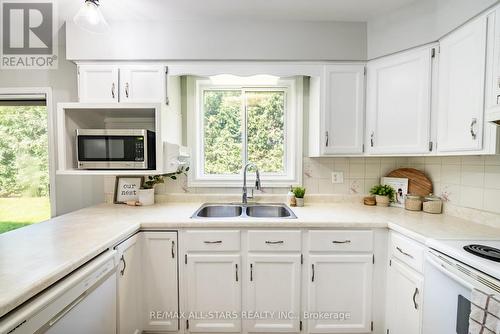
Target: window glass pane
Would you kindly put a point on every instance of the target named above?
(24, 171)
(266, 130)
(222, 131)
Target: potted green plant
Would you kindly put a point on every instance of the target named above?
(299, 193)
(147, 191)
(384, 194)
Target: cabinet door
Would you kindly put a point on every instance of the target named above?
(142, 83)
(404, 295)
(129, 286)
(398, 106)
(274, 286)
(159, 281)
(214, 285)
(344, 109)
(340, 288)
(98, 83)
(461, 88)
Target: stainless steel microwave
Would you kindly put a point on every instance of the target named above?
(115, 149)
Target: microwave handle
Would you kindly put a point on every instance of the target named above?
(439, 265)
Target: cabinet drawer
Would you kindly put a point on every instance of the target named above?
(274, 241)
(212, 241)
(343, 241)
(407, 251)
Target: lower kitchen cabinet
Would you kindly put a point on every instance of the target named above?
(159, 281)
(213, 292)
(340, 287)
(273, 285)
(147, 283)
(129, 282)
(404, 295)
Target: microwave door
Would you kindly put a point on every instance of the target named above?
(111, 151)
(446, 299)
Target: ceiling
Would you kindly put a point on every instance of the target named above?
(306, 10)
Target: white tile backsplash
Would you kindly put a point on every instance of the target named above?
(469, 181)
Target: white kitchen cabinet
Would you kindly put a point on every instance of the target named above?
(273, 285)
(340, 285)
(336, 113)
(129, 286)
(213, 284)
(404, 299)
(98, 83)
(110, 83)
(143, 83)
(461, 92)
(398, 109)
(159, 281)
(344, 109)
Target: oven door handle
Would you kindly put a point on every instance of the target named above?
(442, 267)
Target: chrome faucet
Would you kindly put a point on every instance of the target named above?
(245, 196)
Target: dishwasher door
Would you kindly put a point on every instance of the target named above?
(93, 312)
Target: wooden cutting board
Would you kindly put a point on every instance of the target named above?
(418, 182)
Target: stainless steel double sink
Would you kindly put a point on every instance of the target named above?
(239, 210)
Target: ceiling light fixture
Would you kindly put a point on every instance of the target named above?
(90, 18)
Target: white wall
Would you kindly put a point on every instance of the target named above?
(72, 192)
(221, 40)
(422, 22)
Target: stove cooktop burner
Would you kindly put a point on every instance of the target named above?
(486, 252)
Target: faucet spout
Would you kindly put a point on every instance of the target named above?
(258, 184)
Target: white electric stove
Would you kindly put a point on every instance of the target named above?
(453, 270)
(482, 255)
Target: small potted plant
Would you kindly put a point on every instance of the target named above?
(384, 194)
(147, 192)
(299, 193)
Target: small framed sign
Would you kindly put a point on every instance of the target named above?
(127, 188)
(400, 185)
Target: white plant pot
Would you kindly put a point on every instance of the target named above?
(147, 196)
(299, 201)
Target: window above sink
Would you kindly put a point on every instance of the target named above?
(245, 119)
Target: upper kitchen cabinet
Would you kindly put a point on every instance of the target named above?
(336, 118)
(108, 83)
(143, 84)
(98, 83)
(398, 110)
(461, 92)
(493, 67)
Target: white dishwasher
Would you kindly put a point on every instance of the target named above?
(84, 302)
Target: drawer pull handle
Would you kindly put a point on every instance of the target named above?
(269, 242)
(415, 296)
(236, 267)
(213, 242)
(173, 249)
(473, 132)
(404, 253)
(124, 265)
(341, 242)
(251, 272)
(312, 277)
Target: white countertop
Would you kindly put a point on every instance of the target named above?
(37, 256)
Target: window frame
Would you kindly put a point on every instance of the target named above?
(292, 159)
